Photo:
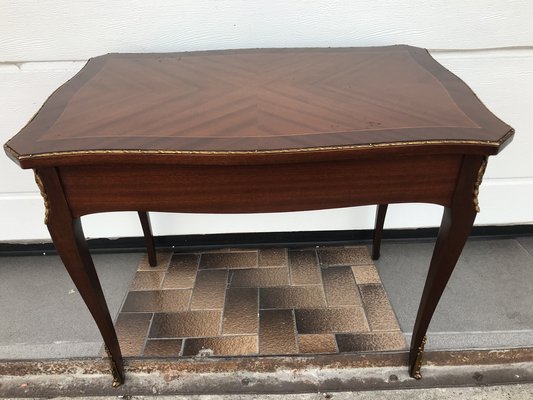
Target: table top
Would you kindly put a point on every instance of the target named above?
(257, 102)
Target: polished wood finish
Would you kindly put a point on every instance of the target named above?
(260, 188)
(455, 227)
(247, 131)
(69, 240)
(208, 104)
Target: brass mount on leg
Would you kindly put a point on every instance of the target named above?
(45, 197)
(418, 361)
(480, 174)
(117, 378)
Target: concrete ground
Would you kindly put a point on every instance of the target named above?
(464, 382)
(514, 392)
(487, 305)
(202, 378)
(487, 302)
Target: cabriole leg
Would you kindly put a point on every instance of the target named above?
(456, 225)
(69, 241)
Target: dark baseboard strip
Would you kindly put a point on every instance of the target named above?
(261, 239)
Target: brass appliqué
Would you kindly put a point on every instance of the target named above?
(478, 182)
(117, 379)
(418, 362)
(45, 197)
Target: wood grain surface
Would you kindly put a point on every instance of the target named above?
(255, 102)
(259, 188)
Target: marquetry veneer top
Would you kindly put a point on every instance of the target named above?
(246, 102)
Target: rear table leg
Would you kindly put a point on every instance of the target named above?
(378, 230)
(148, 237)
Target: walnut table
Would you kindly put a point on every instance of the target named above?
(254, 131)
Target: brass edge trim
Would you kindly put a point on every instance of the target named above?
(240, 152)
(418, 361)
(40, 184)
(479, 179)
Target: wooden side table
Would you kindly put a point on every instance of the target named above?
(259, 131)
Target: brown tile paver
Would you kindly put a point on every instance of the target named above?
(378, 309)
(221, 346)
(209, 291)
(186, 324)
(340, 287)
(277, 334)
(379, 341)
(216, 250)
(147, 280)
(162, 348)
(292, 297)
(365, 274)
(276, 257)
(317, 343)
(259, 277)
(163, 258)
(304, 268)
(227, 302)
(131, 332)
(331, 320)
(157, 301)
(241, 311)
(181, 273)
(241, 250)
(344, 256)
(232, 260)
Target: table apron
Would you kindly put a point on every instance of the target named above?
(260, 188)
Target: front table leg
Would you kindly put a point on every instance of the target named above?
(455, 227)
(69, 241)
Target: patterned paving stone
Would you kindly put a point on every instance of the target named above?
(234, 302)
(317, 343)
(277, 333)
(231, 260)
(272, 257)
(181, 273)
(331, 320)
(381, 341)
(292, 297)
(259, 277)
(162, 348)
(344, 256)
(340, 287)
(147, 280)
(241, 311)
(157, 301)
(131, 332)
(221, 346)
(304, 268)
